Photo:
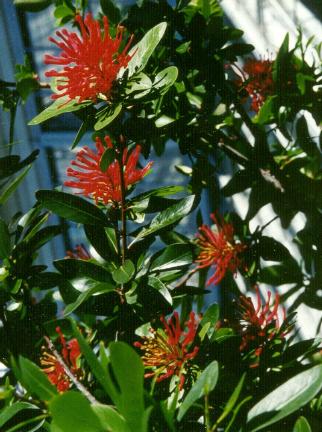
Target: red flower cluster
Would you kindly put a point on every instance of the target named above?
(167, 351)
(79, 252)
(70, 353)
(90, 63)
(105, 185)
(218, 249)
(260, 84)
(260, 325)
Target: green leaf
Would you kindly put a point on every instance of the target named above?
(165, 79)
(107, 115)
(168, 217)
(97, 369)
(32, 5)
(232, 400)
(157, 284)
(285, 399)
(280, 58)
(139, 86)
(205, 383)
(279, 274)
(271, 250)
(143, 50)
(10, 411)
(60, 106)
(77, 269)
(174, 256)
(107, 158)
(110, 418)
(183, 48)
(11, 164)
(124, 273)
(5, 244)
(163, 191)
(110, 9)
(302, 425)
(237, 49)
(99, 239)
(35, 380)
(71, 411)
(97, 288)
(266, 113)
(210, 319)
(131, 397)
(71, 207)
(13, 186)
(240, 181)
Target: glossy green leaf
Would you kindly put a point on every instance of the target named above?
(10, 411)
(71, 411)
(60, 106)
(143, 50)
(124, 273)
(97, 369)
(131, 398)
(174, 256)
(32, 5)
(157, 284)
(107, 115)
(110, 9)
(100, 240)
(266, 113)
(169, 216)
(71, 207)
(35, 380)
(302, 425)
(13, 185)
(272, 250)
(240, 181)
(75, 269)
(95, 289)
(165, 79)
(5, 244)
(205, 383)
(107, 158)
(209, 319)
(11, 164)
(285, 399)
(232, 400)
(140, 85)
(110, 418)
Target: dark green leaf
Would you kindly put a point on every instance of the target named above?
(266, 113)
(5, 244)
(107, 115)
(71, 207)
(99, 239)
(71, 411)
(110, 9)
(10, 411)
(240, 181)
(35, 380)
(285, 399)
(169, 216)
(205, 383)
(271, 250)
(238, 49)
(60, 106)
(157, 284)
(13, 186)
(124, 273)
(32, 5)
(76, 268)
(95, 288)
(143, 50)
(174, 256)
(107, 158)
(232, 400)
(279, 274)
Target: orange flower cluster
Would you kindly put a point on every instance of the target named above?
(167, 352)
(105, 185)
(218, 249)
(70, 353)
(90, 63)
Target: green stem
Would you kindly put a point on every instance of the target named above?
(123, 203)
(26, 422)
(206, 414)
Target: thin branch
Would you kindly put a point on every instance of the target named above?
(123, 203)
(70, 375)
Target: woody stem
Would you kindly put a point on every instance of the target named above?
(70, 375)
(123, 204)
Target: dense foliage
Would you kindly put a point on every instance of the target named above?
(137, 346)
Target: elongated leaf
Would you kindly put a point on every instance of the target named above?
(157, 284)
(209, 320)
(60, 106)
(75, 269)
(13, 186)
(10, 411)
(107, 115)
(139, 86)
(165, 79)
(11, 164)
(302, 425)
(32, 5)
(111, 418)
(35, 380)
(143, 50)
(5, 245)
(124, 273)
(169, 216)
(97, 369)
(232, 400)
(174, 256)
(99, 239)
(131, 400)
(71, 207)
(71, 411)
(100, 288)
(285, 399)
(204, 385)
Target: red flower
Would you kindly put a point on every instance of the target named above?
(90, 63)
(79, 252)
(260, 84)
(218, 249)
(70, 353)
(167, 351)
(260, 325)
(105, 185)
